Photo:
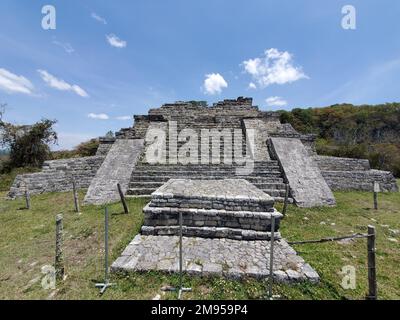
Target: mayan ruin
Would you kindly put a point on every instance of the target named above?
(222, 167)
(273, 154)
(205, 159)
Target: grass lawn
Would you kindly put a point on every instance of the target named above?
(27, 243)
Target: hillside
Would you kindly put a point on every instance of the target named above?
(366, 131)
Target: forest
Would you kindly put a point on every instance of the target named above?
(345, 130)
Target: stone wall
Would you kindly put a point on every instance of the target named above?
(354, 174)
(360, 180)
(327, 163)
(57, 176)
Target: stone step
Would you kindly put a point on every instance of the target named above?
(263, 164)
(278, 195)
(157, 184)
(209, 232)
(207, 167)
(270, 185)
(247, 220)
(282, 199)
(252, 179)
(273, 192)
(200, 172)
(140, 191)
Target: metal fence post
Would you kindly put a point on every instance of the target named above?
(103, 286)
(181, 289)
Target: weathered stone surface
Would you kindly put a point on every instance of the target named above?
(237, 116)
(260, 148)
(209, 257)
(208, 232)
(57, 175)
(327, 163)
(167, 216)
(361, 180)
(307, 185)
(105, 144)
(354, 174)
(229, 194)
(116, 168)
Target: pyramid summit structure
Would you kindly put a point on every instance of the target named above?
(232, 139)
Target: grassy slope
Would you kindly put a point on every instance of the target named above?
(27, 243)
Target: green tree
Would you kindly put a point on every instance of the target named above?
(29, 145)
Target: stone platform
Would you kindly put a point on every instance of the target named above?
(226, 228)
(228, 194)
(214, 257)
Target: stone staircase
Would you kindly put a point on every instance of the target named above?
(266, 175)
(146, 178)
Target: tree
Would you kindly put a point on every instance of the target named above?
(88, 148)
(110, 134)
(28, 145)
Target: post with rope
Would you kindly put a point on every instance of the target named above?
(27, 197)
(103, 286)
(376, 191)
(121, 195)
(181, 289)
(59, 259)
(271, 257)
(372, 284)
(75, 193)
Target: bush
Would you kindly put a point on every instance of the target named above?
(84, 149)
(28, 145)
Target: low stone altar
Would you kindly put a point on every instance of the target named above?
(226, 231)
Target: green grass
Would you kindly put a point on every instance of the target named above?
(27, 243)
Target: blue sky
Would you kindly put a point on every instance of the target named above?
(108, 60)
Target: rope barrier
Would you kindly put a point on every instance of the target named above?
(330, 239)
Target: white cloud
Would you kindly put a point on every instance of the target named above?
(275, 67)
(214, 83)
(114, 41)
(98, 116)
(252, 85)
(95, 16)
(124, 118)
(275, 102)
(60, 84)
(67, 140)
(12, 83)
(66, 46)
